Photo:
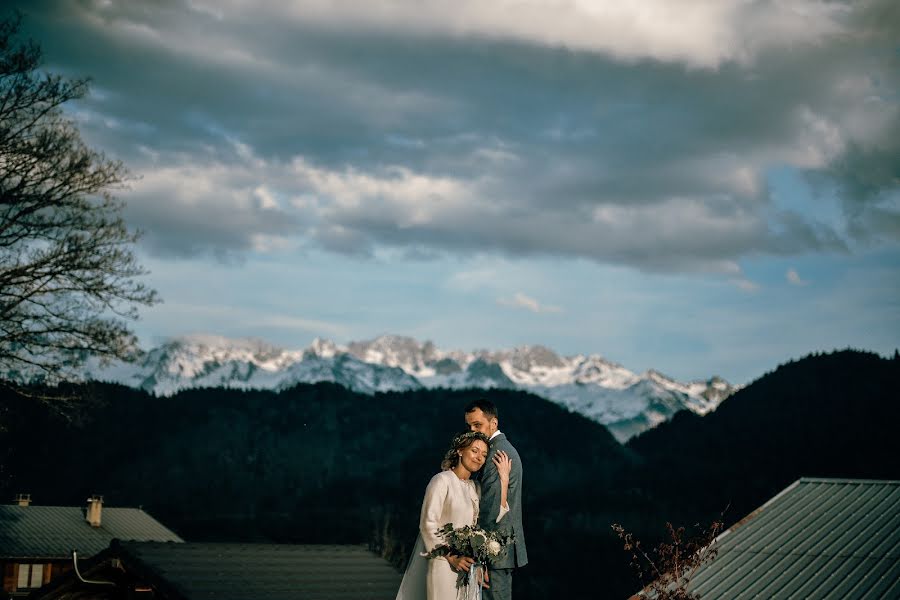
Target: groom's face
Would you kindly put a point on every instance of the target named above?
(478, 421)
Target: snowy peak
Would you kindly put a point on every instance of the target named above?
(395, 351)
(609, 393)
(322, 348)
(346, 370)
(597, 370)
(528, 358)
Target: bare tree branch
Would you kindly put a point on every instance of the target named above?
(667, 570)
(68, 275)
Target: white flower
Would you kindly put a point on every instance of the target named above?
(494, 547)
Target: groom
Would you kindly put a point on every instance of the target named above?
(481, 415)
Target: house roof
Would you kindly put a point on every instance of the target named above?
(54, 531)
(818, 538)
(271, 571)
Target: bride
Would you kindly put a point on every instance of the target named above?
(451, 497)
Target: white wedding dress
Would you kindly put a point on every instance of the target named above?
(448, 499)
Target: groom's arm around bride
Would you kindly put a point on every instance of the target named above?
(481, 415)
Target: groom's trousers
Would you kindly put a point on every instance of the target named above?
(501, 585)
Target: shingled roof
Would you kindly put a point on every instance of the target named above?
(52, 532)
(272, 571)
(830, 539)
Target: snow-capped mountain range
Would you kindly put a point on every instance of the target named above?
(625, 402)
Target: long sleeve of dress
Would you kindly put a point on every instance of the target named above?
(432, 510)
(503, 511)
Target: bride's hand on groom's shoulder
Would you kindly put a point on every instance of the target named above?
(503, 463)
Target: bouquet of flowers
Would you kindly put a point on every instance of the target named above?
(478, 544)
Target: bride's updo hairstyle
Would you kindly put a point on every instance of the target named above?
(461, 442)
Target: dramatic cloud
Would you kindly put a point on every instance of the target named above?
(701, 34)
(217, 209)
(641, 135)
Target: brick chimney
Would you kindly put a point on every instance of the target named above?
(94, 510)
(23, 499)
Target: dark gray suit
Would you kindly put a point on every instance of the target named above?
(516, 556)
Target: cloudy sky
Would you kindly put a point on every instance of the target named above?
(701, 187)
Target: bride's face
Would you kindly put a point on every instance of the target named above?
(473, 456)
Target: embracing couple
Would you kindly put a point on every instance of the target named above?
(480, 483)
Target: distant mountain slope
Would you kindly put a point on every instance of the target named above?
(826, 415)
(626, 403)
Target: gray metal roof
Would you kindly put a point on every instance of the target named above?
(271, 571)
(54, 531)
(829, 539)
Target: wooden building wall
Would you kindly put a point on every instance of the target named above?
(10, 569)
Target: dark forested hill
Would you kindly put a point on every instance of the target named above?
(826, 415)
(318, 463)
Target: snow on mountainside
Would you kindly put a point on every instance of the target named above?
(625, 402)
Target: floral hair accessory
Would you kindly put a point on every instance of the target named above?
(463, 440)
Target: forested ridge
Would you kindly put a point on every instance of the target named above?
(321, 464)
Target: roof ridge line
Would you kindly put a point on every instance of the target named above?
(848, 480)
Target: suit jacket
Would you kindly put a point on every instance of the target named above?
(489, 506)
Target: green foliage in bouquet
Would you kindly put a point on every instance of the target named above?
(483, 546)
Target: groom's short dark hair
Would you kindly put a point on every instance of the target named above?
(486, 406)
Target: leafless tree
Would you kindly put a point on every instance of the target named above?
(68, 275)
(666, 570)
